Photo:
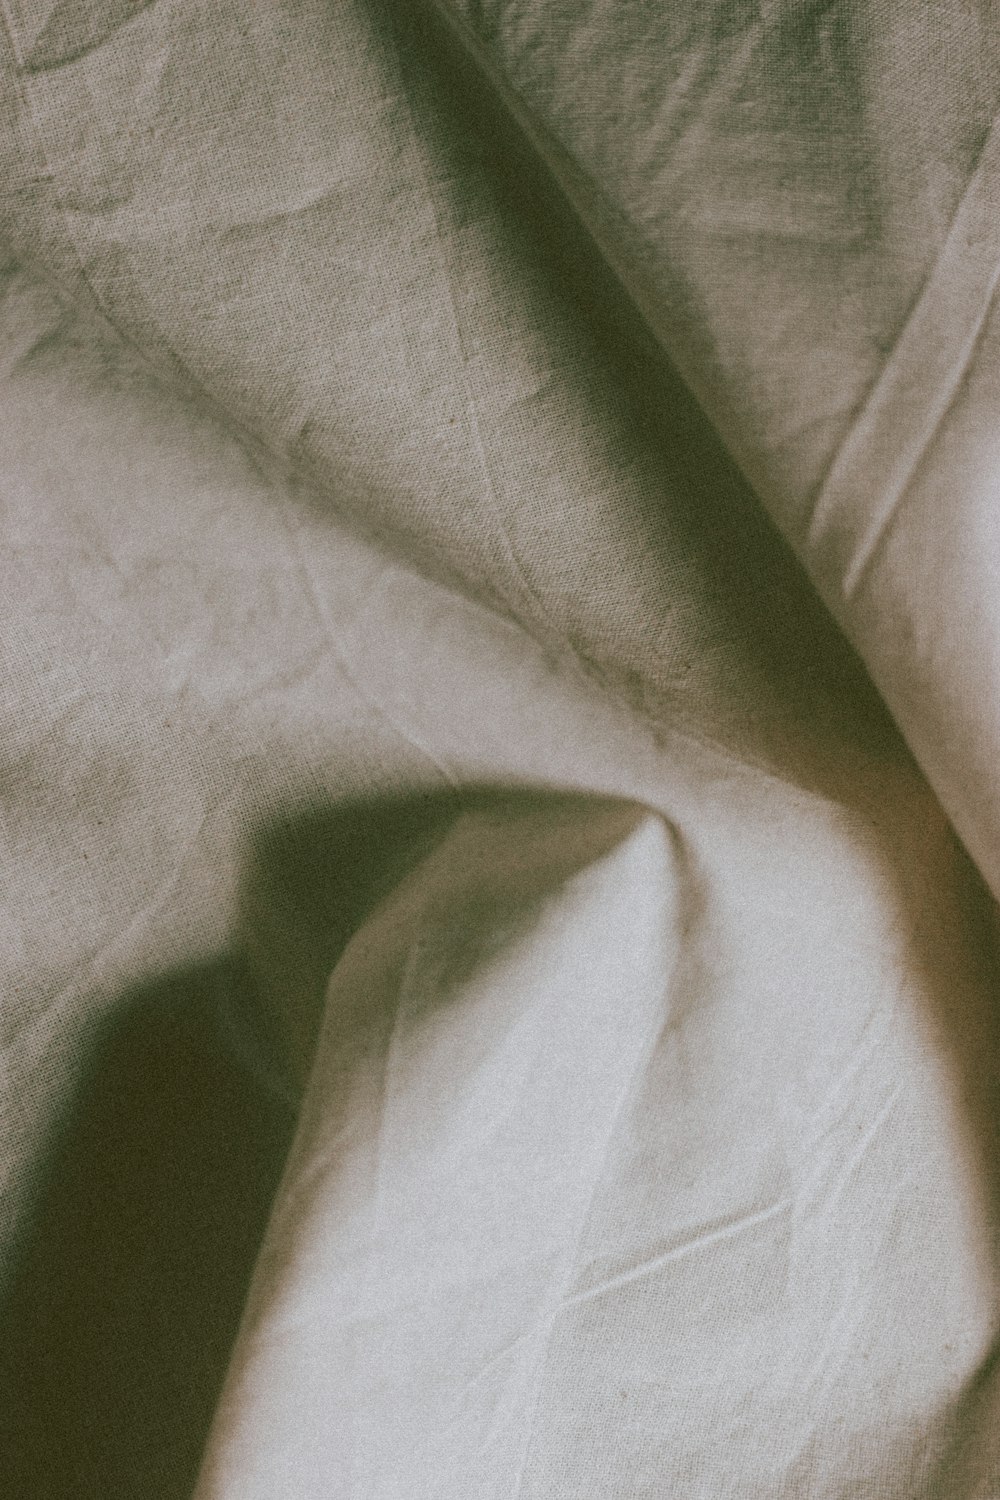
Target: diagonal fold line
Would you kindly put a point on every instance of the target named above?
(876, 465)
(725, 1231)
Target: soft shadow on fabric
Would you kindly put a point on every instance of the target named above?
(135, 1266)
(132, 1272)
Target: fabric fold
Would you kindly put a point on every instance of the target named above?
(821, 263)
(414, 728)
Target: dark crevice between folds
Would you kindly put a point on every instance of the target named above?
(756, 581)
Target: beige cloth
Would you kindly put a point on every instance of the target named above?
(421, 756)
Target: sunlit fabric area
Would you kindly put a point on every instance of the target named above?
(499, 750)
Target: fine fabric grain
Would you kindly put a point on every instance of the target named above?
(498, 763)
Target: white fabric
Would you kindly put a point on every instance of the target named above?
(420, 755)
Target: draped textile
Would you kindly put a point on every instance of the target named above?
(498, 762)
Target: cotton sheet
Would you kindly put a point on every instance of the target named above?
(498, 770)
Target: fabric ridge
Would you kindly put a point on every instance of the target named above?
(498, 762)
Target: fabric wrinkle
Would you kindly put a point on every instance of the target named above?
(492, 1002)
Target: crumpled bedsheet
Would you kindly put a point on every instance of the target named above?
(498, 762)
